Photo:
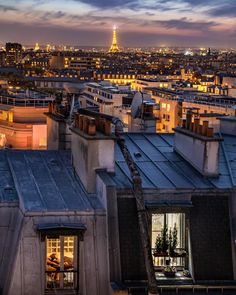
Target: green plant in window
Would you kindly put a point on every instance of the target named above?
(173, 242)
(164, 239)
(158, 245)
(170, 241)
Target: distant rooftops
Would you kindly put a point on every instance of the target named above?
(193, 96)
(107, 87)
(154, 80)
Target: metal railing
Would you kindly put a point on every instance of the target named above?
(179, 259)
(25, 102)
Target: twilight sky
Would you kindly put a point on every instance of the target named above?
(140, 22)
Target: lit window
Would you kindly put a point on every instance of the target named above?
(169, 240)
(61, 262)
(163, 105)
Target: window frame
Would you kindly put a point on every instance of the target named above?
(76, 249)
(55, 230)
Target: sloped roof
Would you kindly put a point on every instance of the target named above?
(162, 168)
(229, 146)
(44, 181)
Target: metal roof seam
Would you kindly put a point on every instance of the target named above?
(128, 176)
(165, 140)
(21, 199)
(227, 161)
(35, 182)
(172, 163)
(161, 170)
(75, 183)
(53, 181)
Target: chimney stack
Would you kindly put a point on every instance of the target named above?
(58, 133)
(93, 147)
(197, 145)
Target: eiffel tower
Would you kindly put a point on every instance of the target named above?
(114, 46)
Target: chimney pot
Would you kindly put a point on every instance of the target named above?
(188, 119)
(199, 129)
(204, 127)
(91, 127)
(50, 107)
(76, 120)
(196, 123)
(85, 124)
(107, 128)
(210, 132)
(191, 126)
(81, 119)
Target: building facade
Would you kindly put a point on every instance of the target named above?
(13, 54)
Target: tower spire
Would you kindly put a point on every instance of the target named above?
(114, 46)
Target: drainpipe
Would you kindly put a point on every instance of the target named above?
(138, 194)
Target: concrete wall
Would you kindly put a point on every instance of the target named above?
(90, 153)
(18, 138)
(10, 229)
(205, 108)
(39, 139)
(28, 274)
(58, 134)
(52, 134)
(228, 127)
(108, 197)
(205, 152)
(29, 115)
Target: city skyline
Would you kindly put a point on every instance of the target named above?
(147, 23)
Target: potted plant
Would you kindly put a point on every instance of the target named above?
(186, 273)
(164, 239)
(169, 271)
(173, 241)
(158, 246)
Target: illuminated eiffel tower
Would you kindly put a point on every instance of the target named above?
(114, 46)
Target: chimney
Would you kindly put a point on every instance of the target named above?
(58, 133)
(198, 146)
(92, 147)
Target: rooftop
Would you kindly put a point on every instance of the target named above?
(44, 181)
(161, 167)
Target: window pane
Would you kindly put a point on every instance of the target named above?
(157, 225)
(53, 256)
(60, 262)
(175, 254)
(69, 258)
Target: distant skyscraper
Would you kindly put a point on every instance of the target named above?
(13, 54)
(114, 46)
